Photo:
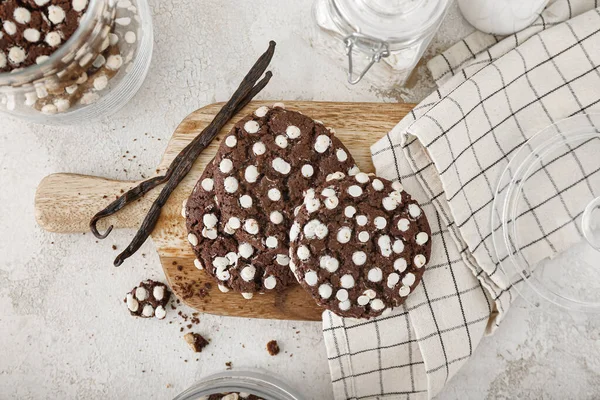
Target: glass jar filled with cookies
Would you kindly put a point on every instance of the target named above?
(69, 61)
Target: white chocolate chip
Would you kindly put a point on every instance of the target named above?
(101, 82)
(335, 176)
(370, 293)
(322, 143)
(49, 109)
(3, 62)
(362, 220)
(226, 165)
(245, 250)
(397, 186)
(311, 278)
(363, 300)
(328, 192)
(389, 203)
(16, 55)
(281, 141)
(9, 27)
(132, 304)
(375, 274)
(312, 204)
(310, 229)
(78, 5)
(193, 239)
(246, 201)
(271, 242)
(198, 264)
(251, 173)
(231, 141)
(344, 235)
(261, 111)
(231, 184)
(222, 288)
(141, 293)
(422, 238)
(71, 89)
(293, 132)
(392, 280)
(23, 16)
(303, 253)
(325, 291)
(53, 39)
(148, 311)
(158, 292)
(280, 105)
(234, 223)
(31, 35)
(404, 291)
(341, 155)
(251, 126)
(208, 184)
(377, 185)
(414, 210)
(82, 79)
(270, 282)
(210, 233)
(353, 171)
(347, 281)
(259, 148)
(210, 220)
(396, 196)
(276, 217)
(124, 21)
(398, 246)
(251, 226)
(380, 222)
(56, 15)
(220, 263)
(274, 194)
(363, 236)
(403, 224)
(420, 260)
(160, 312)
(114, 62)
(113, 39)
(359, 257)
(329, 263)
(408, 279)
(385, 245)
(282, 259)
(377, 304)
(294, 231)
(248, 273)
(247, 295)
(342, 295)
(331, 202)
(361, 177)
(349, 211)
(307, 170)
(232, 257)
(400, 265)
(281, 166)
(62, 105)
(344, 305)
(355, 191)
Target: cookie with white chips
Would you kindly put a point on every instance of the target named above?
(359, 245)
(264, 166)
(148, 299)
(230, 259)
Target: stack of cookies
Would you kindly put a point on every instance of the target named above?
(283, 201)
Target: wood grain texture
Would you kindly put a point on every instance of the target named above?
(66, 202)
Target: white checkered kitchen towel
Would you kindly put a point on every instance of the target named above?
(495, 93)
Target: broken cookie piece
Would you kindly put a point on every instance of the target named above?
(195, 341)
(273, 347)
(148, 299)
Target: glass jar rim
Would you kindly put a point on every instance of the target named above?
(38, 71)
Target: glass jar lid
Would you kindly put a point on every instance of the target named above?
(546, 216)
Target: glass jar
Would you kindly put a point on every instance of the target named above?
(92, 75)
(381, 40)
(260, 384)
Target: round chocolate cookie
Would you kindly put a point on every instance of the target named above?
(359, 245)
(232, 261)
(264, 166)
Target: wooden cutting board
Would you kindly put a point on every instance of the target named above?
(66, 202)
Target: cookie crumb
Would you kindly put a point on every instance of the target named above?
(273, 347)
(229, 365)
(196, 341)
(114, 247)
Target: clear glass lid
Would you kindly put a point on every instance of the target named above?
(546, 216)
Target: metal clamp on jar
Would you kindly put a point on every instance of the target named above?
(379, 40)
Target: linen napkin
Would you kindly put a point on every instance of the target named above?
(448, 153)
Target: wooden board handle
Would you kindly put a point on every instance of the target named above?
(65, 203)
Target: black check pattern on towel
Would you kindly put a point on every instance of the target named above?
(448, 154)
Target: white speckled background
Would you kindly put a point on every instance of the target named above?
(64, 331)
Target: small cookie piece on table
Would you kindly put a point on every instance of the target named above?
(148, 299)
(359, 245)
(196, 341)
(230, 259)
(273, 347)
(262, 169)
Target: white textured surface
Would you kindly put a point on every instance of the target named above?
(64, 331)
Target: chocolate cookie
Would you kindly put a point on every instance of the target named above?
(149, 299)
(263, 168)
(31, 30)
(229, 258)
(231, 396)
(359, 245)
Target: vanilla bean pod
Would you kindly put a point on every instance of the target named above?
(184, 161)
